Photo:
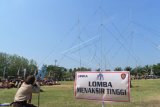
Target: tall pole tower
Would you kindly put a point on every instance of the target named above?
(55, 62)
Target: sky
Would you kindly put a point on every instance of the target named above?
(82, 33)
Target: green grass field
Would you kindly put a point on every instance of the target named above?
(145, 93)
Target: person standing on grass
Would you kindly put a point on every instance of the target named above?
(23, 96)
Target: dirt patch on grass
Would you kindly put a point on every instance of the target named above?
(153, 101)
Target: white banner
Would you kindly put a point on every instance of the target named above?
(104, 86)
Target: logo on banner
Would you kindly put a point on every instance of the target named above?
(123, 76)
(100, 76)
(82, 76)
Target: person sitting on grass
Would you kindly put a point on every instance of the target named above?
(24, 94)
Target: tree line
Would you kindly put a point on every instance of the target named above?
(17, 66)
(13, 65)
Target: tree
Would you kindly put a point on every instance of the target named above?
(138, 72)
(156, 69)
(32, 67)
(128, 68)
(146, 70)
(118, 69)
(14, 65)
(56, 72)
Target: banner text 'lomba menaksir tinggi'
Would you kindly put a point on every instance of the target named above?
(104, 86)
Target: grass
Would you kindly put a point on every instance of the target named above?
(145, 93)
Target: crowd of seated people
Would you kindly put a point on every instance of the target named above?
(17, 83)
(10, 83)
(48, 82)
